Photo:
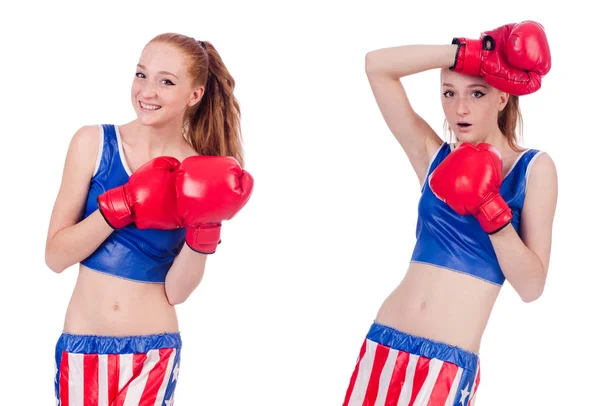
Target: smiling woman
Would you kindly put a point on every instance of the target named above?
(140, 207)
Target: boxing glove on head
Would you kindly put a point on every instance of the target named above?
(512, 58)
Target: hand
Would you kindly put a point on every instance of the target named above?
(210, 189)
(512, 58)
(148, 199)
(469, 180)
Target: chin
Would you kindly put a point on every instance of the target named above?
(151, 120)
(470, 138)
(143, 119)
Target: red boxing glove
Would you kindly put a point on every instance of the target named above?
(148, 198)
(512, 58)
(469, 180)
(210, 189)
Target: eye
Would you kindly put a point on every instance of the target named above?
(448, 93)
(140, 75)
(478, 94)
(167, 82)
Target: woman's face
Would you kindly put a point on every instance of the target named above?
(471, 106)
(162, 89)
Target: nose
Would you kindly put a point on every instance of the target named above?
(148, 90)
(462, 108)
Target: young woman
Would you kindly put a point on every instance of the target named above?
(139, 208)
(485, 215)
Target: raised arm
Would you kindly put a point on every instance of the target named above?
(384, 68)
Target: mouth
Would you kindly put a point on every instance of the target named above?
(149, 107)
(463, 124)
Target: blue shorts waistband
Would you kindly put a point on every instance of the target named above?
(425, 347)
(94, 344)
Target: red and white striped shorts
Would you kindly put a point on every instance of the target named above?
(398, 369)
(117, 371)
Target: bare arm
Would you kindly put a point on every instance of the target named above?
(384, 68)
(185, 275)
(70, 240)
(525, 262)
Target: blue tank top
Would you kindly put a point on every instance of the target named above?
(129, 253)
(458, 243)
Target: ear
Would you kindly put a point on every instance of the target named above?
(196, 96)
(503, 100)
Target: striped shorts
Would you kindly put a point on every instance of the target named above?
(398, 369)
(116, 371)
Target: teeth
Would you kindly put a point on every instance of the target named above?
(149, 106)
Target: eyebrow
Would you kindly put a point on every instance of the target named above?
(469, 86)
(162, 72)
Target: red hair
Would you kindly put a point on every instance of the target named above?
(212, 125)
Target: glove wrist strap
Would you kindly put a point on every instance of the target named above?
(468, 56)
(203, 239)
(494, 214)
(115, 206)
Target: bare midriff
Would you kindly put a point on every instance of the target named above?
(440, 304)
(103, 304)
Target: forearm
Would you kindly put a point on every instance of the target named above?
(75, 243)
(521, 266)
(185, 275)
(409, 59)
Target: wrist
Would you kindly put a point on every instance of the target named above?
(467, 58)
(203, 238)
(115, 206)
(494, 214)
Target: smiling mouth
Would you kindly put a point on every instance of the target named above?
(149, 106)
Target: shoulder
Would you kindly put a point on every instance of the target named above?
(86, 139)
(84, 148)
(541, 165)
(542, 176)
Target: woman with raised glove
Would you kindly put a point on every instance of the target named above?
(485, 214)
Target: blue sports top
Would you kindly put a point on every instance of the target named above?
(458, 243)
(129, 253)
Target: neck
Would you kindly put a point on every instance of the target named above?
(158, 140)
(498, 141)
(495, 139)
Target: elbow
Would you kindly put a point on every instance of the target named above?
(174, 297)
(53, 263)
(370, 65)
(174, 300)
(52, 259)
(532, 284)
(529, 298)
(532, 294)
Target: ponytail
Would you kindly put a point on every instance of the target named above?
(214, 123)
(211, 126)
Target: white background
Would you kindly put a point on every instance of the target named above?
(288, 298)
